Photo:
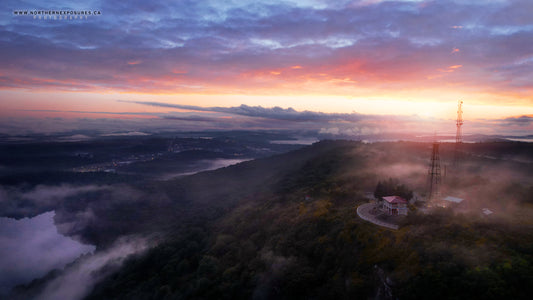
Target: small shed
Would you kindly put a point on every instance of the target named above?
(453, 199)
(486, 211)
(450, 201)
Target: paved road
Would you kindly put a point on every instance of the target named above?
(363, 211)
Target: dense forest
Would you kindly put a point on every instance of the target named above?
(285, 227)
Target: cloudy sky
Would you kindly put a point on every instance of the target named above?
(356, 65)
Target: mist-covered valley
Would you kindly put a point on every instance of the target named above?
(273, 220)
(55, 191)
(362, 149)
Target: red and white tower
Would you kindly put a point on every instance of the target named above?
(459, 133)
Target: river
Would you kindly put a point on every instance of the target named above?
(31, 247)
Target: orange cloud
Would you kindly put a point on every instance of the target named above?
(450, 69)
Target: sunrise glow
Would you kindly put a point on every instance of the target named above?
(386, 58)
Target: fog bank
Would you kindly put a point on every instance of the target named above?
(31, 247)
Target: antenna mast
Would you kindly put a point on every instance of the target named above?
(434, 176)
(459, 123)
(459, 133)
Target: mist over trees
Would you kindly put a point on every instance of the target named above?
(285, 227)
(392, 187)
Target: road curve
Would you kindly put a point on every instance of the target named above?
(363, 211)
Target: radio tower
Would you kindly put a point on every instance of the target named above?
(459, 133)
(434, 172)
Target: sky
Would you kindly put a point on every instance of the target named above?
(351, 67)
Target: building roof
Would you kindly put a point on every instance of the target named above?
(453, 199)
(395, 199)
(487, 211)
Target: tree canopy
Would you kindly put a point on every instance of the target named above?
(392, 187)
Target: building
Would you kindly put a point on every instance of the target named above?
(395, 205)
(486, 212)
(450, 201)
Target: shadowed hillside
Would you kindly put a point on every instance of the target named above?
(285, 227)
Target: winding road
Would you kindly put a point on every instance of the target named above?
(363, 211)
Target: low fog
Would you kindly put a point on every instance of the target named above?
(205, 165)
(24, 201)
(33, 247)
(50, 240)
(496, 176)
(116, 218)
(77, 281)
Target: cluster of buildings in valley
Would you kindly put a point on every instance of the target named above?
(110, 167)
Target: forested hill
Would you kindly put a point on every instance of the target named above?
(285, 227)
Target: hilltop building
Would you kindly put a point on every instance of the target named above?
(395, 205)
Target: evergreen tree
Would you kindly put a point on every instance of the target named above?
(392, 187)
(380, 190)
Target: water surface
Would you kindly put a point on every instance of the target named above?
(31, 247)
